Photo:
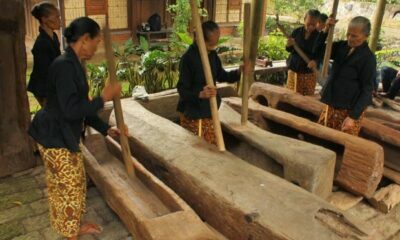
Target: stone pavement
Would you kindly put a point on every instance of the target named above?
(24, 210)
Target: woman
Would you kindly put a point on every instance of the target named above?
(194, 94)
(350, 85)
(301, 77)
(58, 126)
(45, 49)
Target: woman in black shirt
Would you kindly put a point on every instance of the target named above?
(194, 94)
(58, 126)
(301, 77)
(350, 85)
(45, 49)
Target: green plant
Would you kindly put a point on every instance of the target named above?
(273, 46)
(97, 75)
(158, 70)
(181, 15)
(388, 57)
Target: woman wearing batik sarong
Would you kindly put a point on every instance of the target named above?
(194, 94)
(58, 126)
(350, 85)
(301, 77)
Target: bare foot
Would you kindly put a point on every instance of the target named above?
(90, 228)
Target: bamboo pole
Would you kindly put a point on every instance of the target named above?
(376, 28)
(207, 73)
(296, 47)
(329, 41)
(246, 55)
(119, 117)
(256, 26)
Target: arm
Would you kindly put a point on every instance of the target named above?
(291, 48)
(98, 124)
(367, 74)
(184, 85)
(319, 50)
(224, 76)
(73, 106)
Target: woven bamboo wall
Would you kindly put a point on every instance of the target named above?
(73, 9)
(228, 11)
(221, 11)
(118, 14)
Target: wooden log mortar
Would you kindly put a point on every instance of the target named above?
(148, 208)
(360, 166)
(311, 108)
(306, 165)
(239, 200)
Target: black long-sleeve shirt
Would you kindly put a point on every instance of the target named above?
(312, 47)
(44, 51)
(394, 88)
(351, 83)
(192, 81)
(60, 123)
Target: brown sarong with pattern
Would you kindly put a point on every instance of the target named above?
(334, 118)
(303, 83)
(203, 128)
(66, 183)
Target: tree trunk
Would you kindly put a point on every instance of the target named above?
(16, 152)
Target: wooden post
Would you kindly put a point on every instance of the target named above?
(329, 42)
(119, 117)
(207, 73)
(246, 54)
(376, 28)
(16, 149)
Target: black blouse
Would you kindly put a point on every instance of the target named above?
(44, 51)
(351, 82)
(313, 47)
(192, 81)
(60, 123)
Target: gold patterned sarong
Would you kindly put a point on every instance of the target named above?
(334, 118)
(203, 128)
(303, 83)
(66, 183)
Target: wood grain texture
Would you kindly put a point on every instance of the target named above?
(148, 208)
(361, 164)
(239, 200)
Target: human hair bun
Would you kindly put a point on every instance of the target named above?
(68, 32)
(36, 12)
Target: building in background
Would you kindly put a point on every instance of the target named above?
(126, 15)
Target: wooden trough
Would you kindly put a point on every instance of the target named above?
(148, 208)
(309, 166)
(380, 125)
(236, 198)
(360, 161)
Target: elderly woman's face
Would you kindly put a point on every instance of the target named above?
(355, 36)
(212, 41)
(310, 23)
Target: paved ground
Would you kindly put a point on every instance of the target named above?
(24, 210)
